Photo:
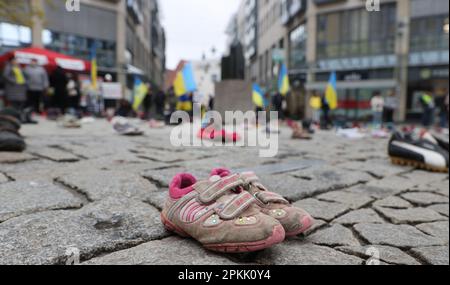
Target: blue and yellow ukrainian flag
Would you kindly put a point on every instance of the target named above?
(284, 85)
(94, 68)
(331, 92)
(185, 82)
(184, 103)
(139, 93)
(258, 96)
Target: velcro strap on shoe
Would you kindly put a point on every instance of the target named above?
(269, 197)
(218, 188)
(236, 206)
(264, 196)
(249, 177)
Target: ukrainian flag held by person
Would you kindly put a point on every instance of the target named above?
(258, 96)
(331, 92)
(184, 103)
(139, 93)
(284, 85)
(94, 81)
(185, 82)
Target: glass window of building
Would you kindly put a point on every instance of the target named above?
(357, 32)
(297, 52)
(80, 47)
(13, 36)
(429, 33)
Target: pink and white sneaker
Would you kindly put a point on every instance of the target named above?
(294, 220)
(217, 215)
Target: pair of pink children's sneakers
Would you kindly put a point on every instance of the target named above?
(231, 212)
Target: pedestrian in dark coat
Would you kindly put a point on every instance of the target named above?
(59, 83)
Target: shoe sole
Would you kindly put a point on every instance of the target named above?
(278, 235)
(306, 222)
(417, 164)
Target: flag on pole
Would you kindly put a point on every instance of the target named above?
(94, 82)
(258, 96)
(331, 92)
(283, 81)
(185, 82)
(184, 103)
(139, 93)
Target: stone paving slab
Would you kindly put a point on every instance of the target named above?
(379, 168)
(19, 198)
(335, 235)
(393, 202)
(169, 251)
(55, 154)
(359, 216)
(387, 254)
(421, 177)
(442, 209)
(14, 157)
(312, 181)
(158, 199)
(438, 229)
(410, 216)
(322, 210)
(298, 253)
(353, 200)
(101, 184)
(435, 255)
(403, 236)
(425, 199)
(388, 186)
(3, 178)
(107, 226)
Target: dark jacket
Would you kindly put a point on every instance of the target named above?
(58, 81)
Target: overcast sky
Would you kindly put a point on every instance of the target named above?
(193, 27)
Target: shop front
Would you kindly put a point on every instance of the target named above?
(433, 79)
(355, 90)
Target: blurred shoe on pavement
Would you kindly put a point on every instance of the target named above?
(404, 149)
(123, 127)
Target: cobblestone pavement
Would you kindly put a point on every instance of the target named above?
(92, 191)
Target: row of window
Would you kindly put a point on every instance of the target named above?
(357, 33)
(15, 36)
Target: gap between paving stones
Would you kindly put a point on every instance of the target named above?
(157, 183)
(10, 178)
(74, 190)
(69, 151)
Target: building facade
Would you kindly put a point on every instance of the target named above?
(207, 73)
(128, 36)
(400, 47)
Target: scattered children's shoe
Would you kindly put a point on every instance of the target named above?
(298, 131)
(123, 127)
(301, 135)
(154, 124)
(294, 220)
(11, 140)
(435, 139)
(210, 133)
(70, 122)
(419, 153)
(218, 216)
(10, 122)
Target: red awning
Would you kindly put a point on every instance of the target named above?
(47, 58)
